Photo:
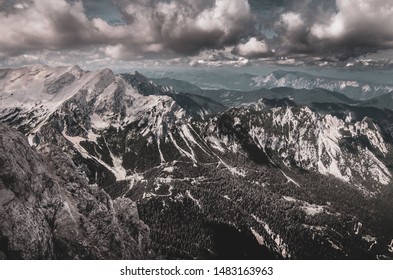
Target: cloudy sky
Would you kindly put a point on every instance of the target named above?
(95, 33)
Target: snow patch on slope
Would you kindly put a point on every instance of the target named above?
(308, 208)
(279, 244)
(390, 247)
(290, 180)
(197, 202)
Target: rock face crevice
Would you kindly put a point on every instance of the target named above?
(49, 211)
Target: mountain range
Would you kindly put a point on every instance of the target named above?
(298, 80)
(304, 89)
(285, 174)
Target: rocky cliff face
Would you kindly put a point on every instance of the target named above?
(49, 211)
(352, 151)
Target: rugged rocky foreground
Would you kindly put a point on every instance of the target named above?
(49, 211)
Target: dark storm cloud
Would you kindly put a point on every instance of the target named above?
(187, 26)
(359, 26)
(180, 26)
(130, 29)
(45, 24)
(339, 29)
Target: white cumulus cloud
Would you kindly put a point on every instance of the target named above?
(252, 48)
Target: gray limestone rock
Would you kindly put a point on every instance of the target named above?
(49, 211)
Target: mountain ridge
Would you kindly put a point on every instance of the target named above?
(298, 80)
(238, 168)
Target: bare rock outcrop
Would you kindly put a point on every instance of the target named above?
(49, 211)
